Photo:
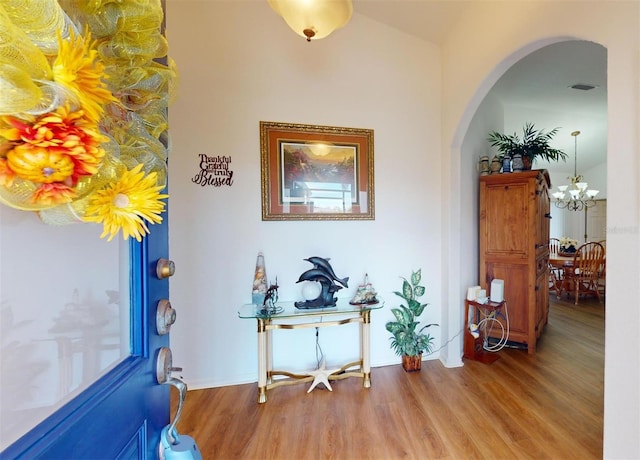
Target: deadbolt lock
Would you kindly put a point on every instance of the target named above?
(165, 268)
(165, 317)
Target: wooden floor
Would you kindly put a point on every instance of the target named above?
(549, 405)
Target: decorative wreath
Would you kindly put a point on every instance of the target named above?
(83, 111)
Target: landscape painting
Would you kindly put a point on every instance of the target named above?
(324, 174)
(316, 172)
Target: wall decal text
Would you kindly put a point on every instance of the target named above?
(214, 171)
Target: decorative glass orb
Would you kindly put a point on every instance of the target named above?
(311, 290)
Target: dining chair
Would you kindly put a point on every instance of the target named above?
(602, 272)
(555, 273)
(582, 277)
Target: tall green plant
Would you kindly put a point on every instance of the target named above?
(406, 339)
(534, 143)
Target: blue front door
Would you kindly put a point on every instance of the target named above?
(78, 334)
(121, 414)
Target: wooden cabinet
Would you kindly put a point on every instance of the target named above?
(514, 246)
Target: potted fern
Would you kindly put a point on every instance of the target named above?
(535, 143)
(407, 340)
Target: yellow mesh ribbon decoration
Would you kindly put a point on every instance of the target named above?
(128, 40)
(41, 20)
(17, 50)
(19, 92)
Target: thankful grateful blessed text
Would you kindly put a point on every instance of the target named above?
(214, 171)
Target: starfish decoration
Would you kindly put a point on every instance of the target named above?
(321, 375)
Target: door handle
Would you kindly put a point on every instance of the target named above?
(182, 390)
(173, 446)
(164, 367)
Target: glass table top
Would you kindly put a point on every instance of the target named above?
(289, 310)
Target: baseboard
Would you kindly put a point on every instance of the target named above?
(203, 384)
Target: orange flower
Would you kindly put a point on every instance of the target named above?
(6, 174)
(38, 164)
(14, 127)
(62, 133)
(53, 194)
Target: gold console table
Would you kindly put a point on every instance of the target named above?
(290, 317)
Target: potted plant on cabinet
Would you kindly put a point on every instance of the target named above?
(534, 144)
(406, 340)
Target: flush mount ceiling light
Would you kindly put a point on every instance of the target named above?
(313, 19)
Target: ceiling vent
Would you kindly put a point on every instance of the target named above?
(583, 86)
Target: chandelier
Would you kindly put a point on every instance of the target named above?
(313, 19)
(575, 196)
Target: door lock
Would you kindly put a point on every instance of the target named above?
(164, 365)
(165, 268)
(165, 317)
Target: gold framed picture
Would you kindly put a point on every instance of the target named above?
(311, 172)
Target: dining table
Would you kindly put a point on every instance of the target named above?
(559, 262)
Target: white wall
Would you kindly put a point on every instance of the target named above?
(240, 64)
(488, 40)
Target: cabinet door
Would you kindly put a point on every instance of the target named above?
(542, 300)
(503, 220)
(543, 214)
(516, 295)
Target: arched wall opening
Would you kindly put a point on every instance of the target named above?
(475, 49)
(468, 144)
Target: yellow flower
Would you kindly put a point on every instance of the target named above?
(77, 68)
(126, 204)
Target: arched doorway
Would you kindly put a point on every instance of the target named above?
(566, 61)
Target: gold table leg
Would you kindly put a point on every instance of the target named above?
(365, 348)
(262, 360)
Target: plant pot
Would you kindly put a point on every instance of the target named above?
(412, 363)
(527, 162)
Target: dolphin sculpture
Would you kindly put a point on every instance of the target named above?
(323, 264)
(323, 274)
(315, 274)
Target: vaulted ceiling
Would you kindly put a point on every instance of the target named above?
(536, 89)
